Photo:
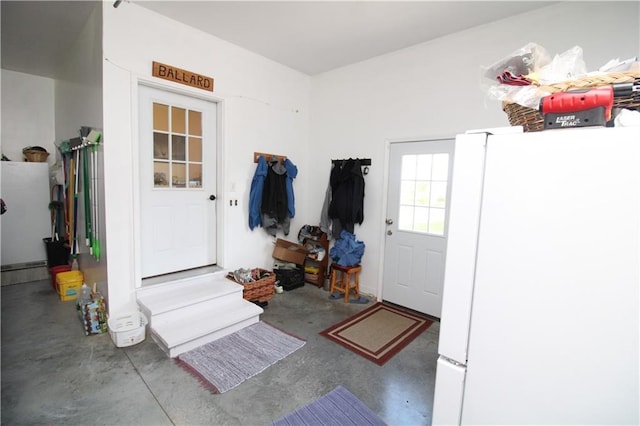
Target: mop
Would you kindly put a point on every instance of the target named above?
(86, 188)
(94, 140)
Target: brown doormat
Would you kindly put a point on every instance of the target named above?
(378, 332)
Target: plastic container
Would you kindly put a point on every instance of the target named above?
(85, 295)
(68, 284)
(55, 271)
(127, 329)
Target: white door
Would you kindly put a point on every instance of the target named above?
(177, 182)
(417, 213)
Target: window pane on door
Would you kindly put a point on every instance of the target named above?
(440, 167)
(178, 174)
(423, 193)
(178, 120)
(423, 165)
(407, 192)
(160, 146)
(408, 167)
(195, 123)
(438, 194)
(421, 219)
(195, 175)
(195, 150)
(160, 117)
(178, 148)
(161, 174)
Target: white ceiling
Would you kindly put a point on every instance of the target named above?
(309, 36)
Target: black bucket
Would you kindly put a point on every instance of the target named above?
(57, 252)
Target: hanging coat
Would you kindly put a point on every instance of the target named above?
(255, 194)
(347, 194)
(292, 173)
(275, 204)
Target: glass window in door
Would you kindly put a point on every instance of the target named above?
(423, 193)
(177, 147)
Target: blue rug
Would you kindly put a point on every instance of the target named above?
(338, 407)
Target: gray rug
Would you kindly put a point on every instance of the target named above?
(225, 363)
(338, 407)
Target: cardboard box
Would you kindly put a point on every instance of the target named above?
(288, 251)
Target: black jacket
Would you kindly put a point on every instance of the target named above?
(347, 189)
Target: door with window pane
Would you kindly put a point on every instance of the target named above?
(177, 182)
(416, 224)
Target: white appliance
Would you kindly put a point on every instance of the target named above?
(25, 190)
(540, 317)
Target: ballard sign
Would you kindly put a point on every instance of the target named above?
(181, 76)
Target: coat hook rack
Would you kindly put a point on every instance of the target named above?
(364, 162)
(267, 156)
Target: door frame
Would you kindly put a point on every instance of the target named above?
(385, 197)
(135, 159)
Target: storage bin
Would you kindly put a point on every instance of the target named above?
(68, 284)
(127, 329)
(260, 290)
(35, 154)
(290, 278)
(531, 119)
(55, 271)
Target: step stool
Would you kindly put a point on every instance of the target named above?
(343, 284)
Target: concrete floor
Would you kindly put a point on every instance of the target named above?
(53, 374)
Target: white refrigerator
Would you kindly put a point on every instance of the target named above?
(540, 306)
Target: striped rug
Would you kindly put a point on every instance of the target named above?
(225, 363)
(378, 332)
(338, 407)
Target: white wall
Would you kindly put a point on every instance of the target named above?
(265, 107)
(433, 90)
(27, 114)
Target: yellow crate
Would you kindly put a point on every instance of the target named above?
(311, 269)
(68, 284)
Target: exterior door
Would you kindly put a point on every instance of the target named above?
(417, 214)
(177, 182)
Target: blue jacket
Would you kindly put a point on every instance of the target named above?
(255, 194)
(292, 172)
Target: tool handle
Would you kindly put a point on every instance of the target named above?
(626, 89)
(579, 100)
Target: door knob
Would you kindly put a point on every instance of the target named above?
(389, 221)
(212, 197)
(389, 232)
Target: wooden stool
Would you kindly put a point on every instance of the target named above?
(343, 284)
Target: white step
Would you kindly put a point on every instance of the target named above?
(188, 328)
(190, 312)
(163, 298)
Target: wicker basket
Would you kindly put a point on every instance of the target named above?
(531, 119)
(260, 290)
(35, 155)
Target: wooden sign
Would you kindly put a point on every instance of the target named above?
(181, 76)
